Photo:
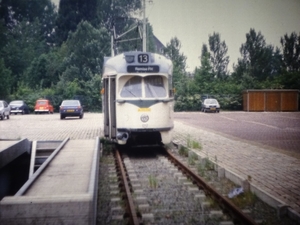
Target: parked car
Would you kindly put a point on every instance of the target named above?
(19, 106)
(4, 110)
(43, 106)
(210, 105)
(71, 108)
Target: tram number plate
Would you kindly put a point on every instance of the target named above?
(143, 58)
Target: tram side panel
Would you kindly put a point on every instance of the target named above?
(110, 129)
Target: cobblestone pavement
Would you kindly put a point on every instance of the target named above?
(248, 152)
(245, 144)
(51, 127)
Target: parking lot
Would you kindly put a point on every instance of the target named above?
(280, 130)
(51, 127)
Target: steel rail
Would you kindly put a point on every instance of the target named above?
(131, 209)
(224, 203)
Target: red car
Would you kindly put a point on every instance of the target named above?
(43, 106)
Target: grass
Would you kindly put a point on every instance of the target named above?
(107, 145)
(193, 144)
(209, 165)
(245, 199)
(152, 181)
(183, 151)
(192, 158)
(201, 170)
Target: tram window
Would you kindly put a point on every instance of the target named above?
(154, 87)
(132, 88)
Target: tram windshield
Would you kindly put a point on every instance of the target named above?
(132, 88)
(153, 87)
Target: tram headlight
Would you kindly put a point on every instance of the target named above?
(129, 58)
(122, 136)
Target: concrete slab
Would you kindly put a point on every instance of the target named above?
(65, 192)
(10, 150)
(68, 172)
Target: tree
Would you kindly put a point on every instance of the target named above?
(259, 60)
(25, 43)
(6, 79)
(86, 48)
(71, 13)
(291, 52)
(43, 71)
(13, 12)
(204, 74)
(172, 51)
(20, 10)
(105, 14)
(218, 58)
(116, 13)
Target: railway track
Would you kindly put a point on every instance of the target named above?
(227, 206)
(153, 186)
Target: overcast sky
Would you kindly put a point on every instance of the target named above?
(192, 21)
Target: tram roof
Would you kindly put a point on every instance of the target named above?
(121, 63)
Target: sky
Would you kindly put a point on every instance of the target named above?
(192, 21)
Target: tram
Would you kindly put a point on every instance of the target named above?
(138, 98)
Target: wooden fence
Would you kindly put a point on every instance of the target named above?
(271, 100)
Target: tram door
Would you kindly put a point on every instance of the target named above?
(110, 129)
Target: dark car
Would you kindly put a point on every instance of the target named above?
(4, 110)
(19, 106)
(210, 105)
(71, 108)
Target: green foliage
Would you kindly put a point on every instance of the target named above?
(258, 60)
(218, 58)
(183, 151)
(188, 103)
(40, 74)
(195, 144)
(86, 48)
(288, 80)
(291, 52)
(25, 43)
(153, 181)
(71, 13)
(245, 200)
(208, 164)
(192, 158)
(6, 80)
(59, 56)
(172, 50)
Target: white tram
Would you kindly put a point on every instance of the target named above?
(138, 98)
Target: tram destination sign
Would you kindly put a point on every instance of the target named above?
(143, 69)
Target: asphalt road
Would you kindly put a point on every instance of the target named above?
(279, 130)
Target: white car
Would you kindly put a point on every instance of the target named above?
(4, 110)
(210, 105)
